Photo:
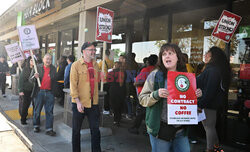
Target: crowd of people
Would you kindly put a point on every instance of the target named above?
(133, 91)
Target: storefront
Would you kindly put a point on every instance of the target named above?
(140, 26)
(61, 25)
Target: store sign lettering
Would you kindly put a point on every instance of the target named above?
(38, 8)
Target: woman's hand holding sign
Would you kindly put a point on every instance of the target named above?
(163, 93)
(198, 93)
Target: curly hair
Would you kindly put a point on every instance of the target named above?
(219, 59)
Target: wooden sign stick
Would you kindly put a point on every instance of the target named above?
(34, 62)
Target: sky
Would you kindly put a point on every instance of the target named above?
(5, 4)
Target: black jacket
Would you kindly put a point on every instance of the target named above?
(24, 84)
(4, 68)
(60, 72)
(210, 83)
(40, 70)
(116, 92)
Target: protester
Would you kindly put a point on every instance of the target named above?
(4, 71)
(145, 63)
(154, 95)
(60, 79)
(108, 64)
(44, 95)
(84, 92)
(13, 68)
(140, 80)
(25, 89)
(117, 91)
(214, 81)
(200, 68)
(70, 60)
(122, 59)
(132, 69)
(188, 65)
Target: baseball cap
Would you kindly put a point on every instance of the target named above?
(88, 44)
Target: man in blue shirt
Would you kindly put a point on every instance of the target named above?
(70, 60)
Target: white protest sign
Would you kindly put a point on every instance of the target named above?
(201, 116)
(14, 52)
(28, 37)
(105, 24)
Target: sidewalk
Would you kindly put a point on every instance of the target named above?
(119, 141)
(8, 137)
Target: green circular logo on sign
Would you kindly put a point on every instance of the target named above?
(182, 83)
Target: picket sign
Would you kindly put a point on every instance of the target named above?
(104, 29)
(226, 26)
(182, 100)
(14, 52)
(29, 41)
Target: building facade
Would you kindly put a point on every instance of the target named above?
(139, 25)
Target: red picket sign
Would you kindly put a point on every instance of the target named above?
(226, 26)
(104, 25)
(182, 101)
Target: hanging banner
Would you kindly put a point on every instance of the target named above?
(182, 101)
(28, 37)
(104, 25)
(14, 52)
(226, 26)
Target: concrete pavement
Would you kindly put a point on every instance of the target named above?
(119, 141)
(9, 141)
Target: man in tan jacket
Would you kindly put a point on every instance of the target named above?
(84, 92)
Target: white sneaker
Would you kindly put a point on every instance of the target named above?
(4, 95)
(105, 112)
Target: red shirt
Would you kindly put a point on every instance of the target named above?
(46, 81)
(91, 77)
(143, 76)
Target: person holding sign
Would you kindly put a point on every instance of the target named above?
(214, 81)
(44, 95)
(25, 89)
(154, 96)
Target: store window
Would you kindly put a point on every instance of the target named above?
(242, 33)
(66, 42)
(158, 28)
(145, 49)
(43, 45)
(75, 45)
(191, 30)
(52, 46)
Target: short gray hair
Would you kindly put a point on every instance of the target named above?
(47, 54)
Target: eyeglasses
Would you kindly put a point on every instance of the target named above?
(91, 49)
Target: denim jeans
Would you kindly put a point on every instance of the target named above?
(46, 98)
(93, 115)
(129, 105)
(179, 144)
